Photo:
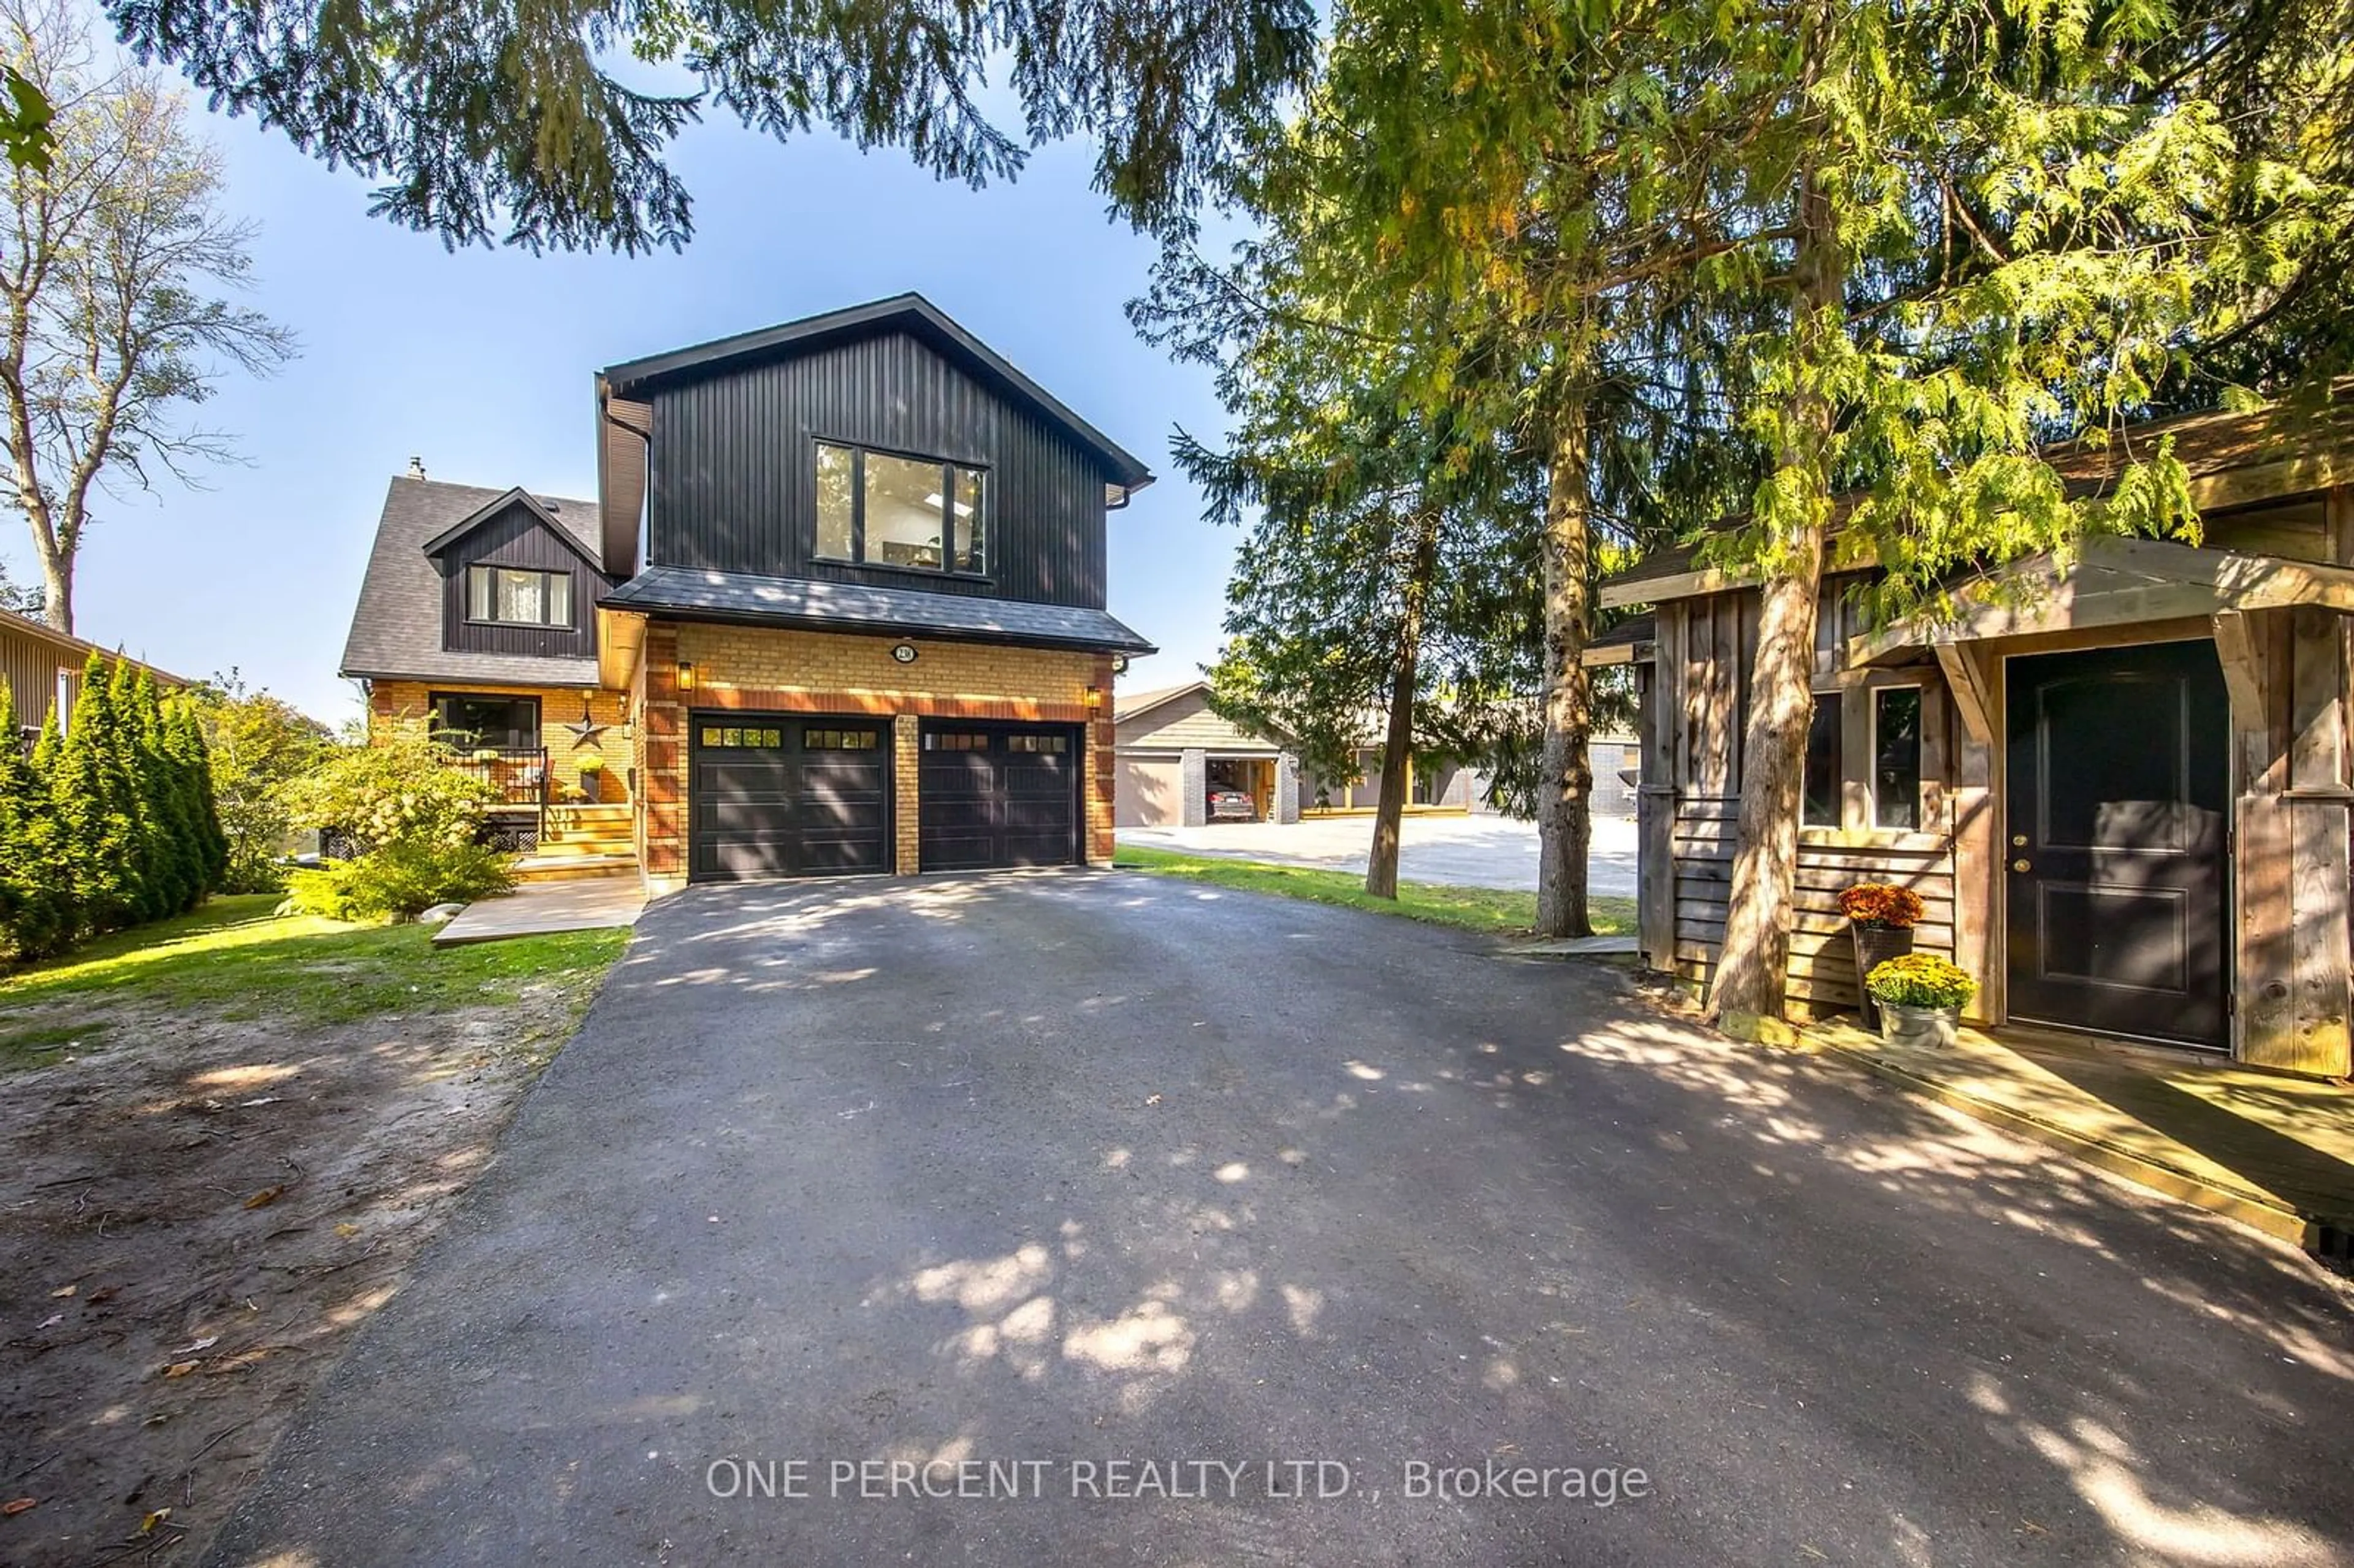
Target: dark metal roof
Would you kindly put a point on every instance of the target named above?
(845, 607)
(905, 312)
(396, 626)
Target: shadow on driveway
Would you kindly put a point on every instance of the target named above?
(1070, 1168)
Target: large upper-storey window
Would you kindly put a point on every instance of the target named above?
(505, 596)
(883, 510)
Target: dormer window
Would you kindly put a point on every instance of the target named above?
(879, 509)
(509, 595)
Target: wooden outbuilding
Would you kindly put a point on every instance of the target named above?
(2121, 782)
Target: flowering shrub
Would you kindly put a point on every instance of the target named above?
(1920, 979)
(399, 786)
(1882, 903)
(411, 817)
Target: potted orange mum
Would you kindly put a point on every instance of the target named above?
(1879, 920)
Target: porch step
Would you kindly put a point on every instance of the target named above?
(583, 815)
(545, 867)
(601, 844)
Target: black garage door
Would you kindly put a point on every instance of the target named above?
(998, 795)
(787, 795)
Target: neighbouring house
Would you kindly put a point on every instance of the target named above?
(1172, 751)
(2121, 784)
(838, 607)
(42, 667)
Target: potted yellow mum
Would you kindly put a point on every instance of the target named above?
(1921, 997)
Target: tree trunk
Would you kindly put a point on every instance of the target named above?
(1754, 961)
(57, 579)
(1565, 788)
(1397, 745)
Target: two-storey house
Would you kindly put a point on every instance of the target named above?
(839, 606)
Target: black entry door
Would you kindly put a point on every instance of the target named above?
(998, 795)
(787, 795)
(2119, 784)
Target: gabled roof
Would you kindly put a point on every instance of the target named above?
(1126, 705)
(75, 651)
(701, 595)
(907, 313)
(397, 625)
(496, 507)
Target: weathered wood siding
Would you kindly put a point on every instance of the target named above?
(1696, 695)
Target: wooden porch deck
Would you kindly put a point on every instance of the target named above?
(2272, 1151)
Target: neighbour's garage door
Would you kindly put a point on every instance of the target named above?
(998, 795)
(788, 795)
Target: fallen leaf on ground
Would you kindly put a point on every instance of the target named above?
(65, 1290)
(51, 1321)
(264, 1100)
(106, 1294)
(181, 1369)
(348, 1229)
(206, 1343)
(264, 1198)
(147, 1526)
(10, 1509)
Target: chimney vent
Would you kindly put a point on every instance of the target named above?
(416, 468)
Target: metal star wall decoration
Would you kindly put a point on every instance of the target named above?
(586, 732)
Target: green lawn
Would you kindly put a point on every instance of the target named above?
(1492, 909)
(239, 960)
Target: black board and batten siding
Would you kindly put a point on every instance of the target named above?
(1704, 648)
(734, 480)
(516, 538)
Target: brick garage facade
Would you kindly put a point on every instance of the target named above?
(765, 669)
(391, 702)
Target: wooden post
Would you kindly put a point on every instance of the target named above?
(1976, 830)
(1655, 799)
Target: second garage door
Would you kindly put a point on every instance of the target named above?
(785, 795)
(995, 795)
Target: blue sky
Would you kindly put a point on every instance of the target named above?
(480, 363)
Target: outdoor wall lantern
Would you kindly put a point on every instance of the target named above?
(1095, 697)
(685, 676)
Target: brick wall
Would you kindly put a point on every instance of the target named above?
(390, 700)
(759, 670)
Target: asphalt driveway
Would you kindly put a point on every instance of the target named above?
(1065, 1171)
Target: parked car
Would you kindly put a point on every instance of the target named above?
(1232, 805)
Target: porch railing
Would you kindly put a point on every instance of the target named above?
(520, 775)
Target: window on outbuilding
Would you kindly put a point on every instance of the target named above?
(1896, 756)
(881, 509)
(1825, 741)
(511, 595)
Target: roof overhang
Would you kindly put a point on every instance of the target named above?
(81, 650)
(2112, 583)
(620, 644)
(681, 593)
(2235, 460)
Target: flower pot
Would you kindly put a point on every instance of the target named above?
(1874, 946)
(1903, 1025)
(592, 786)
